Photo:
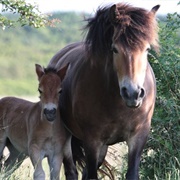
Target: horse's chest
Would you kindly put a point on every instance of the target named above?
(46, 144)
(49, 144)
(122, 125)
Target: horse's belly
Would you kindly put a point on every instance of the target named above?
(18, 137)
(111, 128)
(115, 133)
(19, 144)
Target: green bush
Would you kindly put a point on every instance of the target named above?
(161, 159)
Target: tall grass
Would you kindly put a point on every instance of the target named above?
(24, 172)
(152, 167)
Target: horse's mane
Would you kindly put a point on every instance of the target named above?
(100, 32)
(134, 27)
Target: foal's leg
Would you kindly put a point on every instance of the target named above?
(135, 147)
(36, 159)
(55, 166)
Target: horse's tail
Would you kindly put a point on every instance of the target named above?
(79, 159)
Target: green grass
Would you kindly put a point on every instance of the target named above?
(11, 87)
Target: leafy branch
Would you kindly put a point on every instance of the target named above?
(28, 14)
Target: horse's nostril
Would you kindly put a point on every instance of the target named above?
(125, 93)
(142, 93)
(53, 111)
(45, 111)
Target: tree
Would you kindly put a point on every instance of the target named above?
(26, 14)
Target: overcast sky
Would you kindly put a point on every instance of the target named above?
(90, 6)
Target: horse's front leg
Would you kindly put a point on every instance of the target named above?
(55, 163)
(135, 147)
(36, 159)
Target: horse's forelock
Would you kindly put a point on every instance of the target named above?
(135, 26)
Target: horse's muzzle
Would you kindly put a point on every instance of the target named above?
(133, 97)
(50, 114)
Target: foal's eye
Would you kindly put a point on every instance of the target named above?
(114, 50)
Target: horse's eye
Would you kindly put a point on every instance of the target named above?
(114, 50)
(148, 49)
(40, 91)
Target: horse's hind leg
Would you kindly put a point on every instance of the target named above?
(2, 146)
(70, 169)
(102, 155)
(92, 151)
(69, 166)
(101, 158)
(15, 158)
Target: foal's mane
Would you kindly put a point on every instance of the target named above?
(133, 26)
(50, 70)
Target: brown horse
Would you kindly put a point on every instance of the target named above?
(109, 92)
(35, 129)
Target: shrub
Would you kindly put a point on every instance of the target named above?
(161, 159)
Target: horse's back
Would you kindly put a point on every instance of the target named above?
(64, 56)
(14, 108)
(13, 115)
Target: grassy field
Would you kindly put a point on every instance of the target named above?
(25, 171)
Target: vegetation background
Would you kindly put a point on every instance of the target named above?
(22, 47)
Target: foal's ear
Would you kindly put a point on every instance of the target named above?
(113, 14)
(39, 71)
(62, 72)
(155, 9)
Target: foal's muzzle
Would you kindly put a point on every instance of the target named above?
(50, 114)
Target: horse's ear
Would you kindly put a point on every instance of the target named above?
(154, 9)
(39, 71)
(62, 71)
(113, 14)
